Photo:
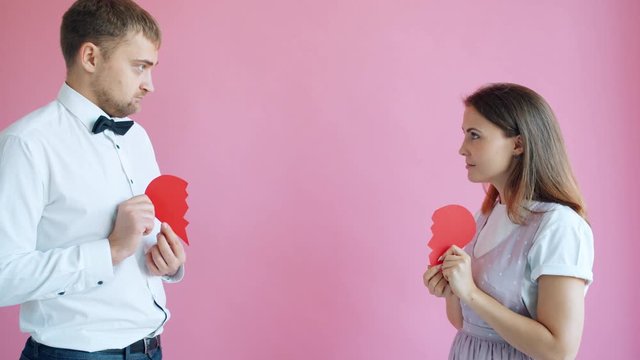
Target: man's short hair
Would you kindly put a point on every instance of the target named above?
(105, 23)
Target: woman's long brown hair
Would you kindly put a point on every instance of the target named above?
(542, 172)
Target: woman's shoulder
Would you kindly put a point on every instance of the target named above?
(563, 243)
(559, 215)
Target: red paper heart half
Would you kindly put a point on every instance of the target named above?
(452, 225)
(168, 194)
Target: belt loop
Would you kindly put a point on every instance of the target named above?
(145, 341)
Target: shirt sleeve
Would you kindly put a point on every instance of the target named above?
(563, 246)
(177, 277)
(27, 273)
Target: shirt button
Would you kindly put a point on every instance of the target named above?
(100, 282)
(61, 293)
(131, 181)
(117, 146)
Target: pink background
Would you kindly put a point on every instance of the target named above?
(319, 136)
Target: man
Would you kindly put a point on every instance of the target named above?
(80, 248)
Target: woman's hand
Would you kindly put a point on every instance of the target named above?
(456, 269)
(435, 282)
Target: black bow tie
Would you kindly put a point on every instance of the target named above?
(119, 127)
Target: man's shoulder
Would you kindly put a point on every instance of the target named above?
(35, 124)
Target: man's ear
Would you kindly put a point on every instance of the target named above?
(88, 56)
(518, 149)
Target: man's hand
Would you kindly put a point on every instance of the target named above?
(166, 257)
(134, 219)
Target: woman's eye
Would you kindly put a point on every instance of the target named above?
(474, 135)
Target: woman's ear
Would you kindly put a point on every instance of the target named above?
(517, 148)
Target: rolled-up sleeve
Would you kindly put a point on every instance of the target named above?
(563, 247)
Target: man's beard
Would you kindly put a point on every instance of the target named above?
(113, 107)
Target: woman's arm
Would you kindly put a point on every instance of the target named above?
(454, 312)
(557, 332)
(439, 287)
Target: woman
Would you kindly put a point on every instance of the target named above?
(517, 290)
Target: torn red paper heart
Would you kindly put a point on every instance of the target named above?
(452, 225)
(168, 194)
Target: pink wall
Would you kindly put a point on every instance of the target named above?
(318, 137)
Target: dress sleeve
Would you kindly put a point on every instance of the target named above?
(563, 246)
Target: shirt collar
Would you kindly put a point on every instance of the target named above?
(81, 107)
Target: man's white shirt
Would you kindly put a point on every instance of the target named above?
(60, 186)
